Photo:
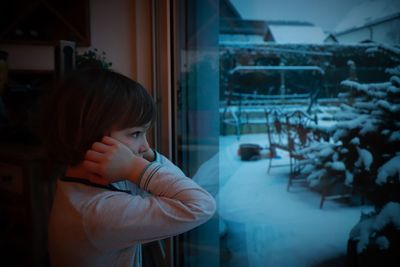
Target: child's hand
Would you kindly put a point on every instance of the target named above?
(149, 155)
(111, 160)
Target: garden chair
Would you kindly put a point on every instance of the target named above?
(276, 133)
(289, 132)
(300, 136)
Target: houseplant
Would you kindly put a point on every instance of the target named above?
(92, 58)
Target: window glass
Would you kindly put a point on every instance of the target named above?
(287, 113)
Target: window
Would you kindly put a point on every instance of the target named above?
(292, 130)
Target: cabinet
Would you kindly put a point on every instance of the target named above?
(25, 199)
(44, 22)
(25, 184)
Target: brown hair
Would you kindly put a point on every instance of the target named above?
(84, 107)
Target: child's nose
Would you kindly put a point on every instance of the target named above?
(144, 147)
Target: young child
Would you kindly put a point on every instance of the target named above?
(116, 192)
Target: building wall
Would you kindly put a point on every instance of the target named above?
(354, 36)
(387, 32)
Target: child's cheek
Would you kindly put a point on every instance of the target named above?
(123, 139)
(127, 142)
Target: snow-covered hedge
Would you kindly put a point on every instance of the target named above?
(332, 58)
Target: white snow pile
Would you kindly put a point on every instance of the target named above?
(365, 105)
(370, 126)
(368, 230)
(337, 166)
(355, 141)
(394, 90)
(395, 81)
(349, 178)
(314, 178)
(362, 122)
(345, 114)
(394, 136)
(325, 152)
(324, 157)
(365, 159)
(365, 124)
(354, 85)
(393, 71)
(371, 104)
(392, 108)
(390, 169)
(372, 89)
(392, 49)
(372, 50)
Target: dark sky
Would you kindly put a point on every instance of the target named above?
(324, 13)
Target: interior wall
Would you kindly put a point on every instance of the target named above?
(111, 30)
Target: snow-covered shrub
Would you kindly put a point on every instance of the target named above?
(373, 227)
(332, 58)
(364, 153)
(378, 144)
(324, 165)
(365, 141)
(375, 239)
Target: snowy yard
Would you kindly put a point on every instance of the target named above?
(268, 226)
(354, 144)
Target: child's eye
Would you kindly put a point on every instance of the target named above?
(135, 134)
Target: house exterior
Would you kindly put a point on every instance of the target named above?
(330, 39)
(236, 30)
(294, 32)
(371, 21)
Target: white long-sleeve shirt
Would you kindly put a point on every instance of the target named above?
(95, 226)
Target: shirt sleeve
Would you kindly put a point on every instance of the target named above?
(176, 204)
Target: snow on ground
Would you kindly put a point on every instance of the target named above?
(268, 226)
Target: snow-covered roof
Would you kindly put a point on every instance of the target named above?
(227, 10)
(330, 38)
(300, 34)
(367, 13)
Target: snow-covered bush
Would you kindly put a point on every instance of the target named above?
(365, 144)
(363, 156)
(332, 58)
(324, 164)
(364, 153)
(372, 230)
(375, 239)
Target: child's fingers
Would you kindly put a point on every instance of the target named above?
(93, 156)
(100, 147)
(110, 141)
(91, 166)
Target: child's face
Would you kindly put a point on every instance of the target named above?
(134, 138)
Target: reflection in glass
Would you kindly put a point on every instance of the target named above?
(298, 140)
